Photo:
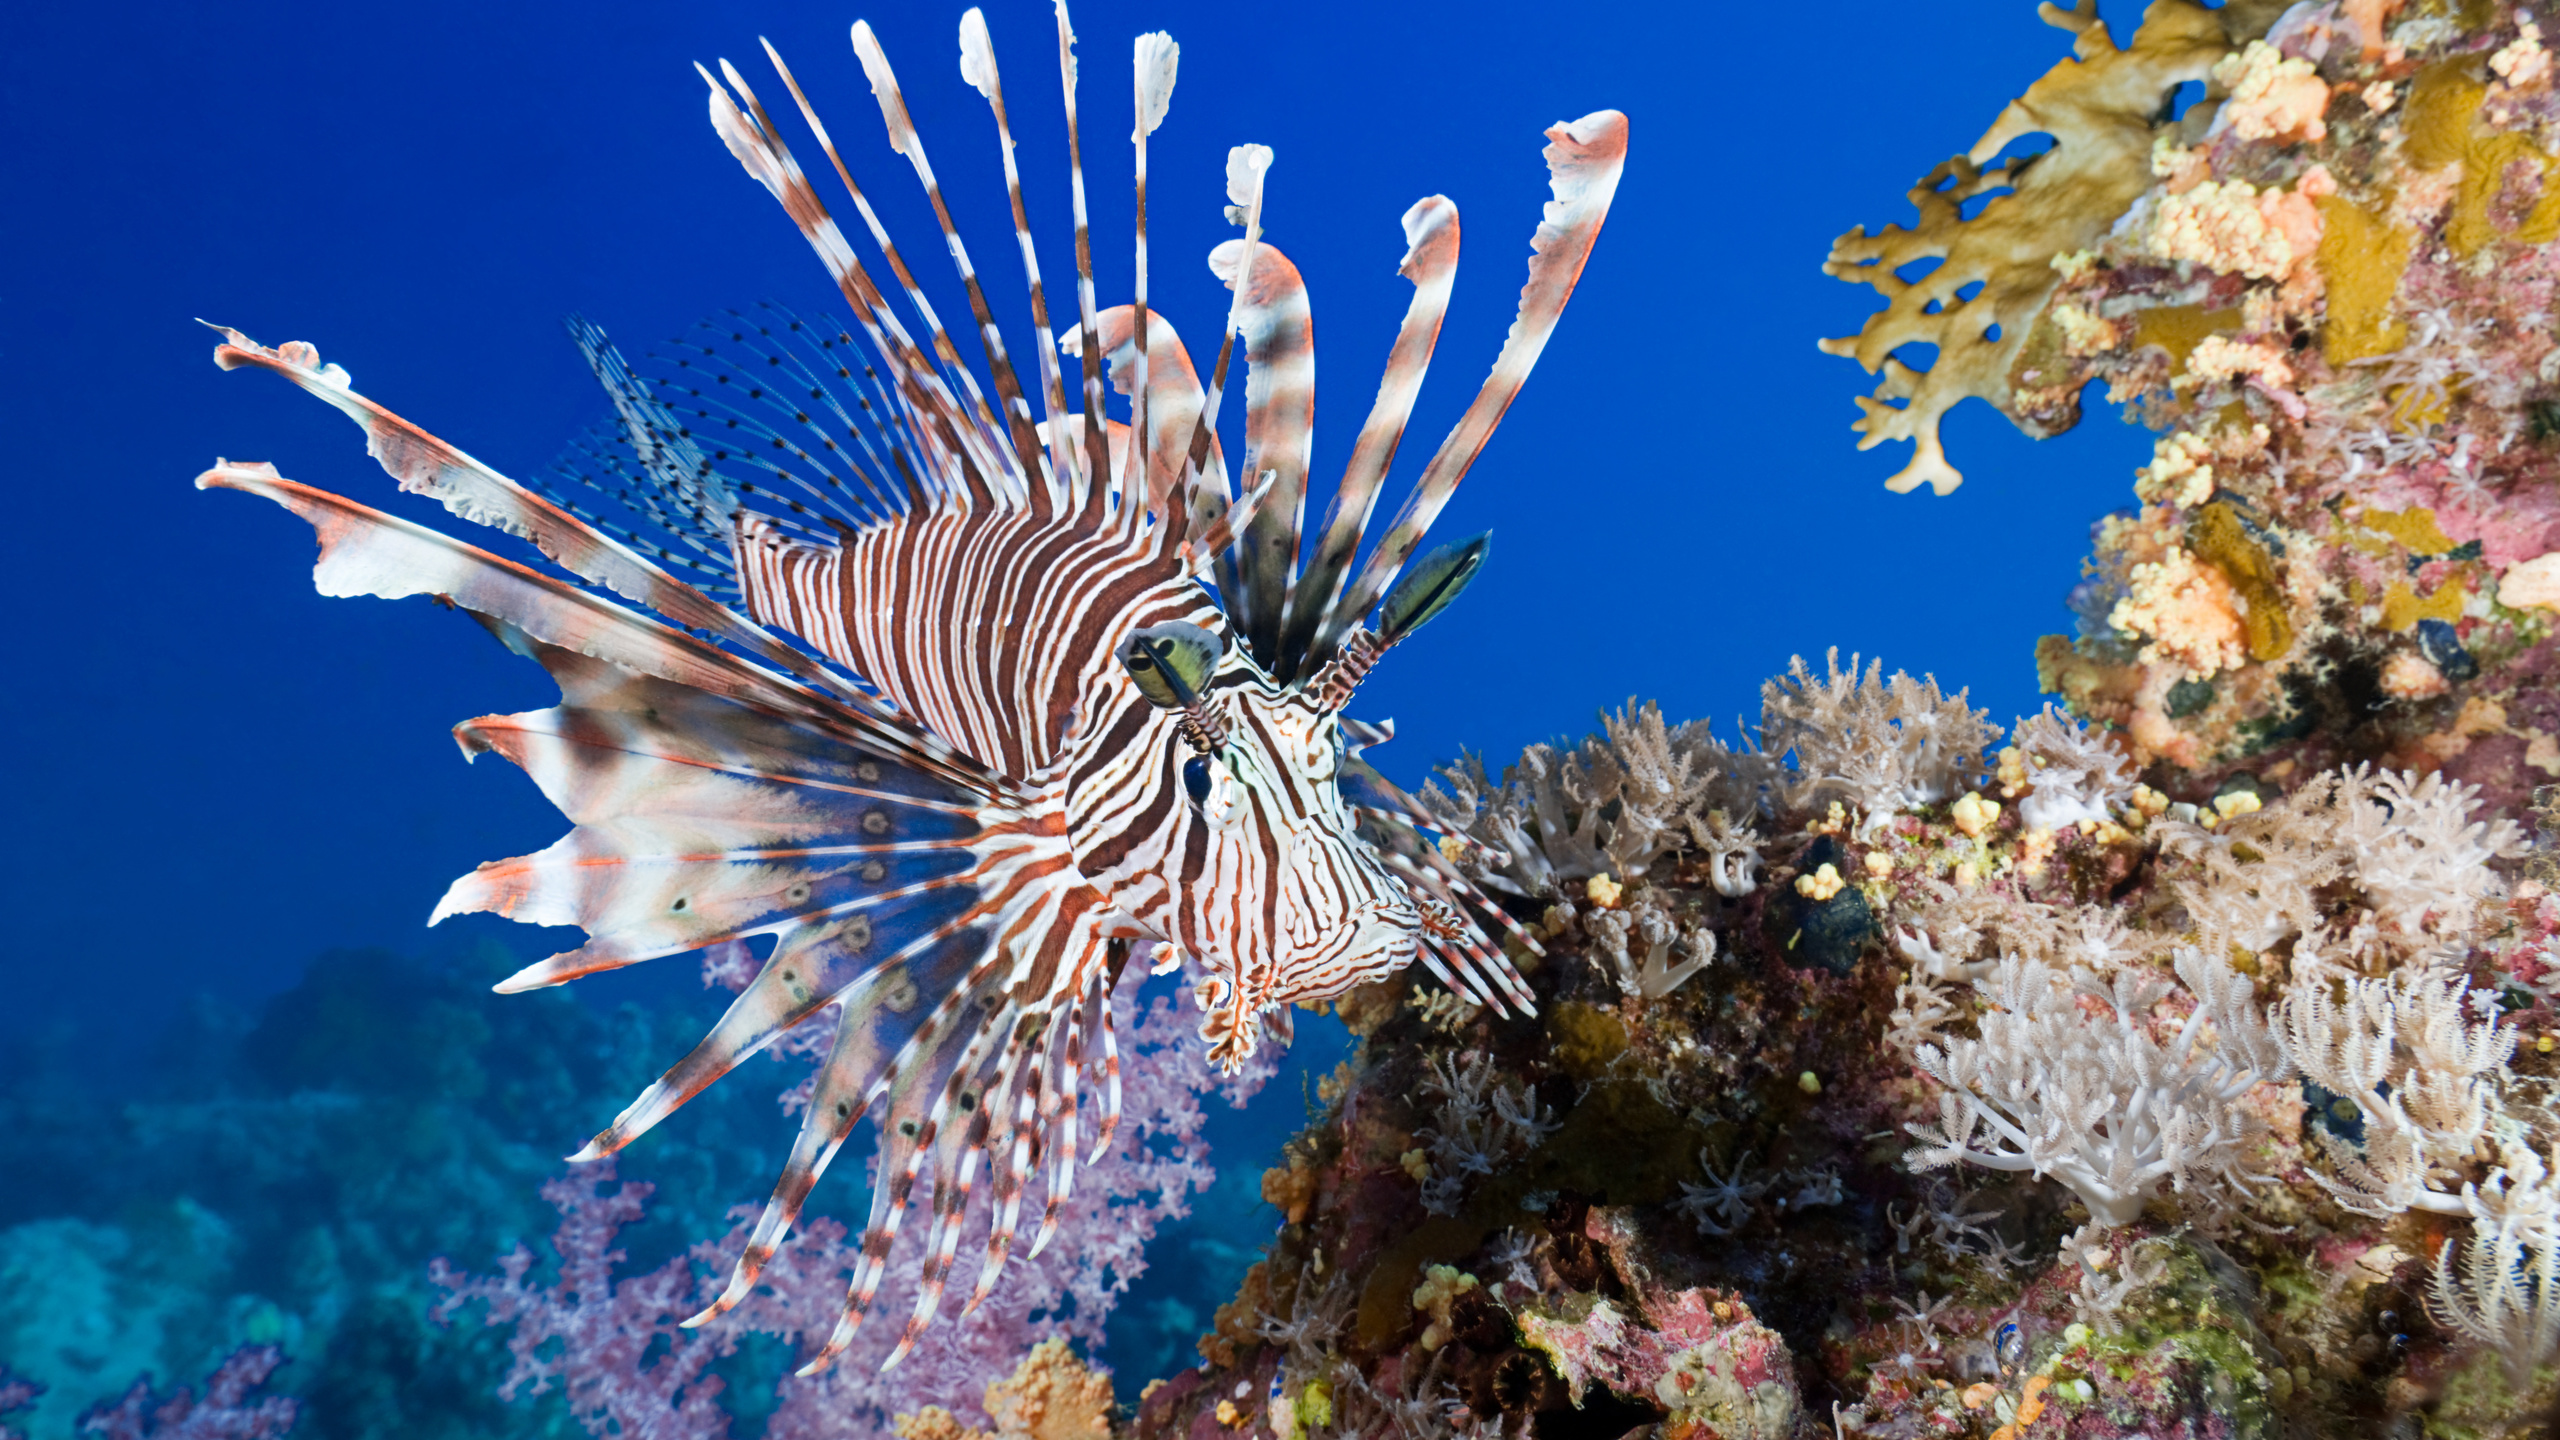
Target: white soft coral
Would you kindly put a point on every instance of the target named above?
(1888, 745)
(2071, 773)
(2501, 1287)
(1614, 804)
(2092, 1096)
(2418, 1061)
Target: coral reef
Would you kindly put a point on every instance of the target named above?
(2091, 1109)
(2327, 283)
(230, 1410)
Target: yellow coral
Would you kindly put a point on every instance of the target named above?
(2361, 255)
(2274, 96)
(933, 1423)
(2178, 472)
(2219, 358)
(2102, 109)
(1051, 1395)
(2186, 608)
(2221, 540)
(2233, 227)
(2082, 332)
(1822, 884)
(2035, 850)
(1441, 1286)
(1291, 1189)
(1972, 814)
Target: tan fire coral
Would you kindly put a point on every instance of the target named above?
(2103, 110)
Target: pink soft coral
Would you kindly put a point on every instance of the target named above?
(230, 1410)
(628, 1369)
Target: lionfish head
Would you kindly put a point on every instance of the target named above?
(1263, 781)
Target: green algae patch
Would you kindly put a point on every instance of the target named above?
(2479, 1401)
(2362, 256)
(2218, 538)
(1586, 1038)
(2179, 329)
(2188, 1347)
(2437, 123)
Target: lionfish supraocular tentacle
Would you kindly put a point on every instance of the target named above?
(951, 844)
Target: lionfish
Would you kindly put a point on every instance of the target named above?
(1063, 687)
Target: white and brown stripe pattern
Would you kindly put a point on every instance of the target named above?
(952, 853)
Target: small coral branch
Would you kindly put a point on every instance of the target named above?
(230, 1410)
(1885, 745)
(2402, 1050)
(1481, 1125)
(1612, 805)
(2501, 1285)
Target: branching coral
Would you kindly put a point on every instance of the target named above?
(614, 1344)
(2103, 1104)
(2415, 1058)
(2098, 1299)
(1660, 936)
(231, 1409)
(2061, 772)
(1612, 805)
(1731, 851)
(1482, 1124)
(2502, 1285)
(1884, 745)
(1978, 305)
(2417, 863)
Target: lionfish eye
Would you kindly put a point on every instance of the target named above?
(1195, 779)
(1171, 663)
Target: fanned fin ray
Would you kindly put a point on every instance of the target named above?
(1584, 158)
(1431, 263)
(1279, 427)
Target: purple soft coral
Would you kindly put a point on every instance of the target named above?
(230, 1409)
(609, 1332)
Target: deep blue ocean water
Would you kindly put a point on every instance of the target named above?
(244, 1094)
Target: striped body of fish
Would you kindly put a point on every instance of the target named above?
(1020, 735)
